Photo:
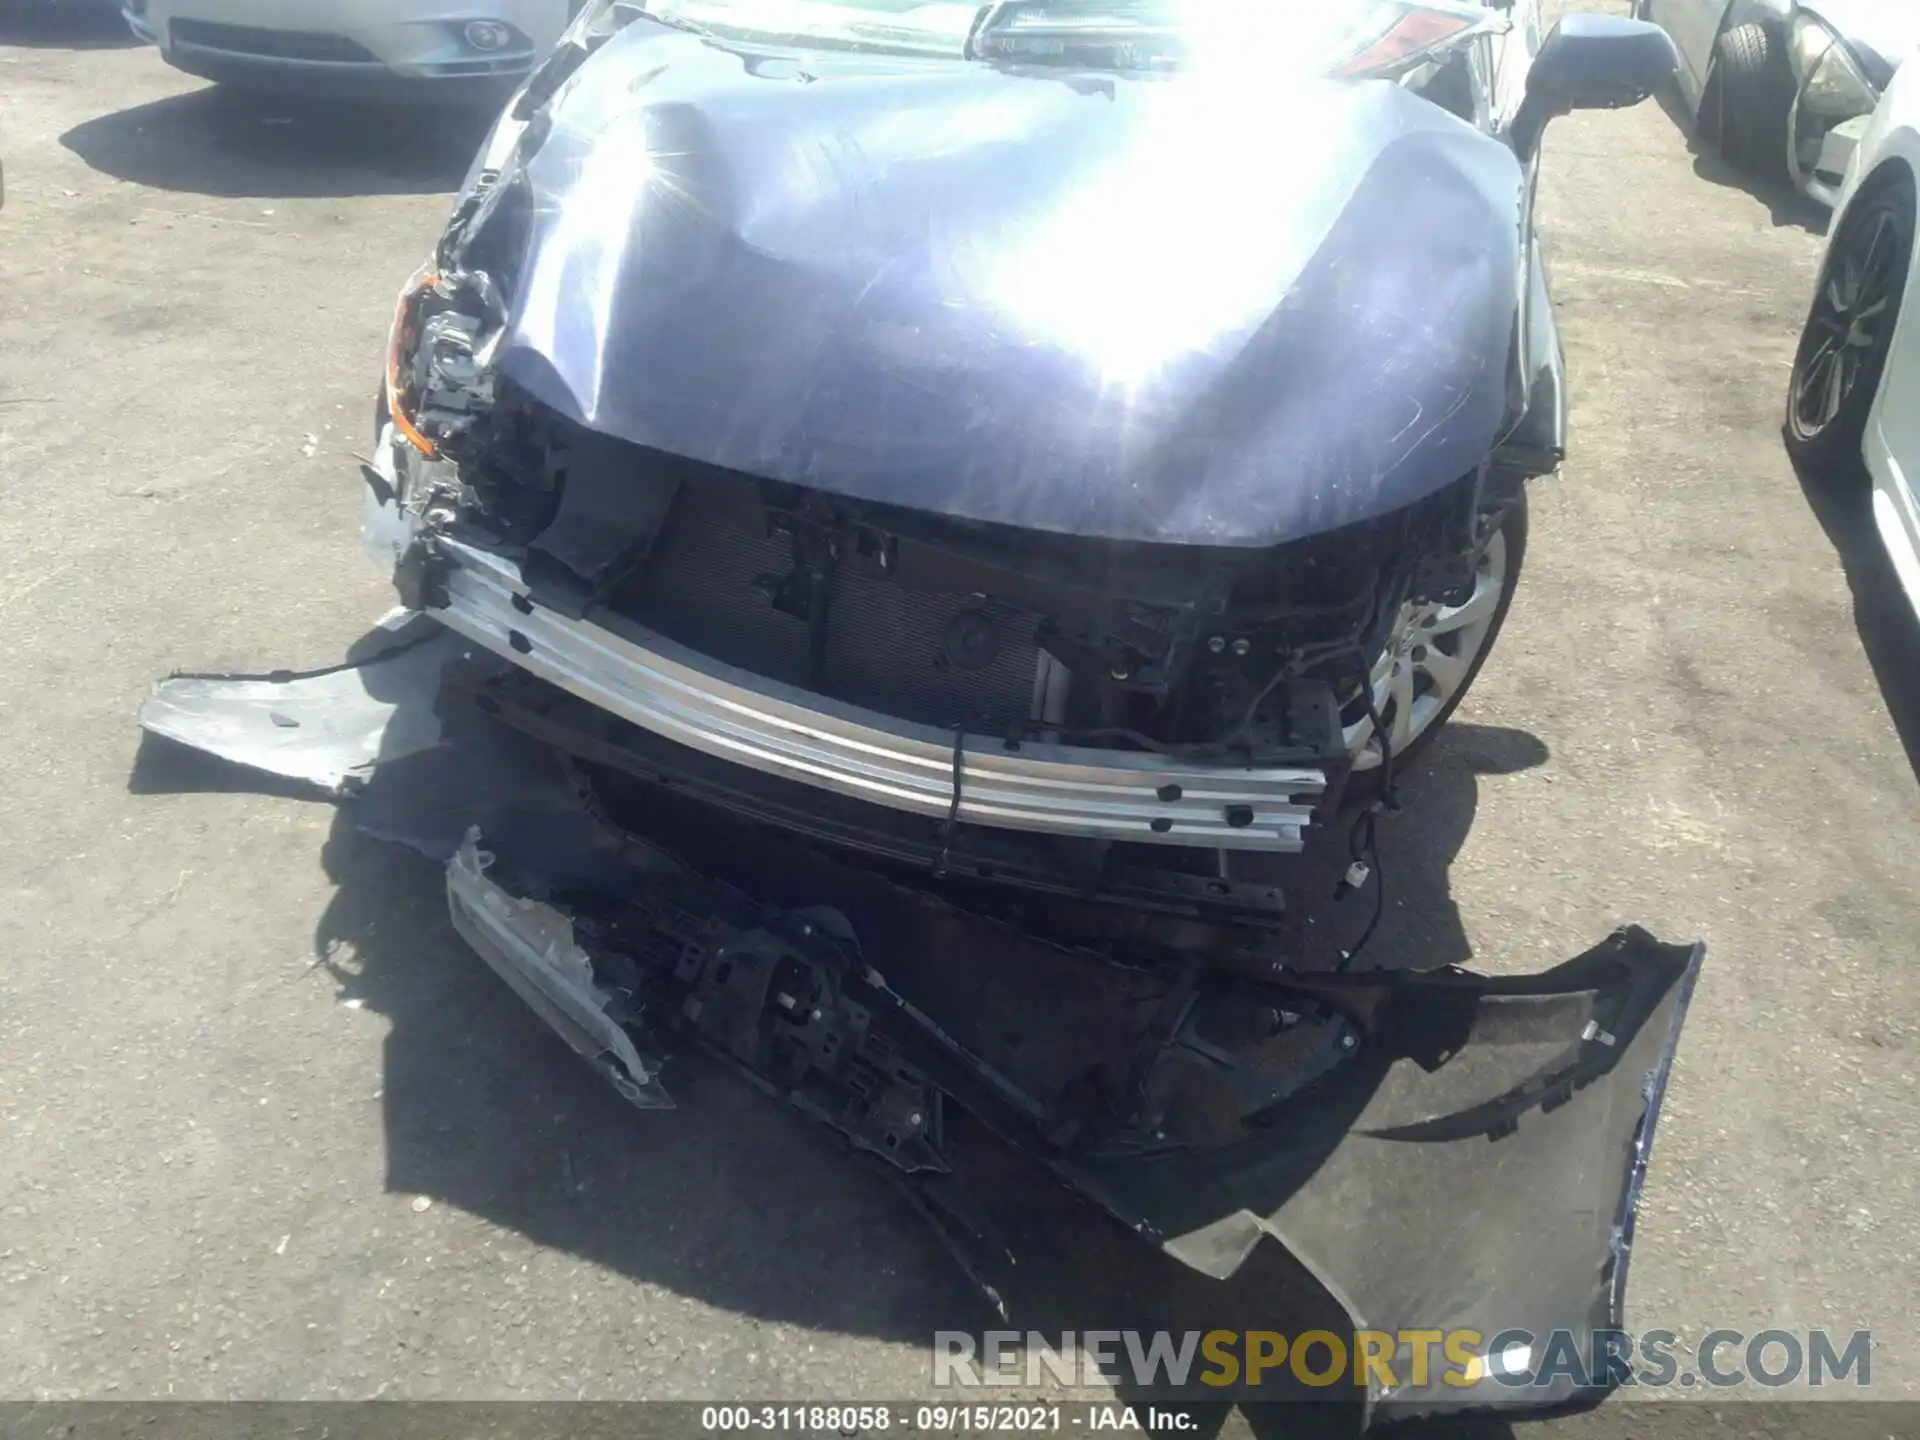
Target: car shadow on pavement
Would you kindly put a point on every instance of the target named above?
(1889, 630)
(1420, 926)
(1786, 206)
(733, 1201)
(227, 143)
(91, 25)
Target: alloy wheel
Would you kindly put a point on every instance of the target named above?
(1849, 325)
(1428, 660)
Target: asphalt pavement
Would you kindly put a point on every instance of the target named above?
(268, 1130)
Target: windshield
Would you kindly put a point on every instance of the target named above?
(938, 27)
(1335, 37)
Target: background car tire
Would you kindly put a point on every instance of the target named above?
(1884, 214)
(1748, 96)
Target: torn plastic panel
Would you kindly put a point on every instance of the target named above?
(531, 947)
(326, 727)
(1477, 1166)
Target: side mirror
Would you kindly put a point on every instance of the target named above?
(1592, 62)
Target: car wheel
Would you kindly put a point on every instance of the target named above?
(1433, 656)
(1849, 332)
(1749, 94)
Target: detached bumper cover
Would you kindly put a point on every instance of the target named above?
(1443, 1151)
(1477, 1168)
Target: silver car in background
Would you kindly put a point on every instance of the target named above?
(375, 49)
(1785, 88)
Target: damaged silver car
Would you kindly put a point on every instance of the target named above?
(908, 514)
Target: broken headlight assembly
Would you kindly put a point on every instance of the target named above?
(403, 343)
(439, 369)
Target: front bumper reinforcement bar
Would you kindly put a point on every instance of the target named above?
(650, 681)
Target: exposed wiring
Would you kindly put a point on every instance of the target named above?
(1145, 742)
(1297, 662)
(953, 806)
(1192, 748)
(1363, 847)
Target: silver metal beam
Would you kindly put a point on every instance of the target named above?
(684, 696)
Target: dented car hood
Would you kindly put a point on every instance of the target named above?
(1179, 309)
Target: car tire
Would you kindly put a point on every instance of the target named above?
(1513, 540)
(1749, 94)
(1844, 345)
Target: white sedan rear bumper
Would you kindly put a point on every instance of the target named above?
(345, 44)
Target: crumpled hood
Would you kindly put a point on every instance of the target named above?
(1143, 309)
(1887, 31)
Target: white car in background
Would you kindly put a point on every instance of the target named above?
(374, 49)
(1856, 377)
(1786, 87)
